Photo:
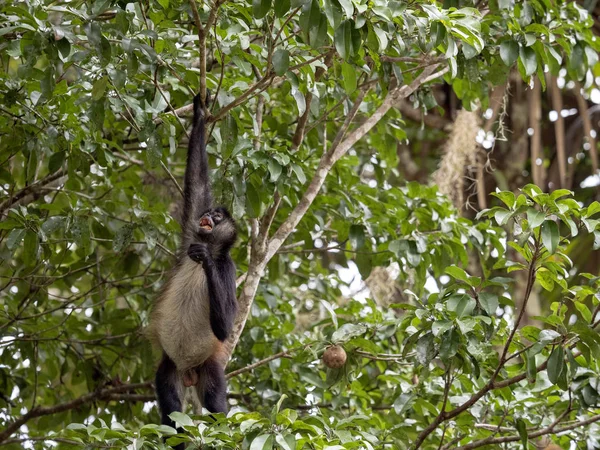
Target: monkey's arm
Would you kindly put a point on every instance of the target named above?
(223, 305)
(196, 194)
(220, 276)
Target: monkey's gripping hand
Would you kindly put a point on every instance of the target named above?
(200, 254)
(199, 106)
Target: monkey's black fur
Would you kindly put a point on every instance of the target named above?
(197, 307)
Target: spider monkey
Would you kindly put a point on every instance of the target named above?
(193, 315)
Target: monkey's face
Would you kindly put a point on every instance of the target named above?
(218, 226)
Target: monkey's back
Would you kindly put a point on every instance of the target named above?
(180, 322)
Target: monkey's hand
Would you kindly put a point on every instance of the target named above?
(199, 105)
(200, 253)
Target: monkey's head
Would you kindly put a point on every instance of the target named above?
(217, 226)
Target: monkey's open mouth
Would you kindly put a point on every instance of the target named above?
(206, 224)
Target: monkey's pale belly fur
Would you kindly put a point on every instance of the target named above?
(184, 330)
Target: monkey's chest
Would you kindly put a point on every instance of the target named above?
(185, 333)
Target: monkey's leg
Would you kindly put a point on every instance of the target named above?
(212, 386)
(169, 392)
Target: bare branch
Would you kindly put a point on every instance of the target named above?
(173, 179)
(416, 115)
(408, 59)
(202, 32)
(262, 362)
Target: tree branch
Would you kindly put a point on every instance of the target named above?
(48, 410)
(550, 429)
(202, 32)
(416, 115)
(340, 147)
(31, 189)
(262, 362)
(119, 393)
(491, 384)
(587, 125)
(559, 130)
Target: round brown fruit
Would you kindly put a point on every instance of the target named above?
(334, 357)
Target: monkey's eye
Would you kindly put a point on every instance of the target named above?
(218, 217)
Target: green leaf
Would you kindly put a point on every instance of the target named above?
(347, 39)
(299, 173)
(528, 58)
(382, 38)
(441, 326)
(463, 305)
(550, 235)
(277, 407)
(521, 427)
(535, 217)
(509, 52)
(153, 149)
(403, 403)
(555, 195)
(81, 233)
(313, 23)
(56, 161)
(594, 208)
(577, 63)
(507, 197)
(181, 419)
(489, 302)
(260, 8)
(502, 216)
(425, 349)
(348, 77)
(229, 135)
(281, 7)
(545, 278)
(262, 442)
(333, 11)
(99, 88)
(348, 331)
(123, 238)
(14, 238)
(357, 236)
(556, 364)
(348, 7)
(281, 61)
(53, 224)
(64, 47)
(253, 202)
(287, 442)
(275, 169)
(596, 240)
(30, 247)
(457, 273)
(317, 34)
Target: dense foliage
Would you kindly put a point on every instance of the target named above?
(93, 132)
